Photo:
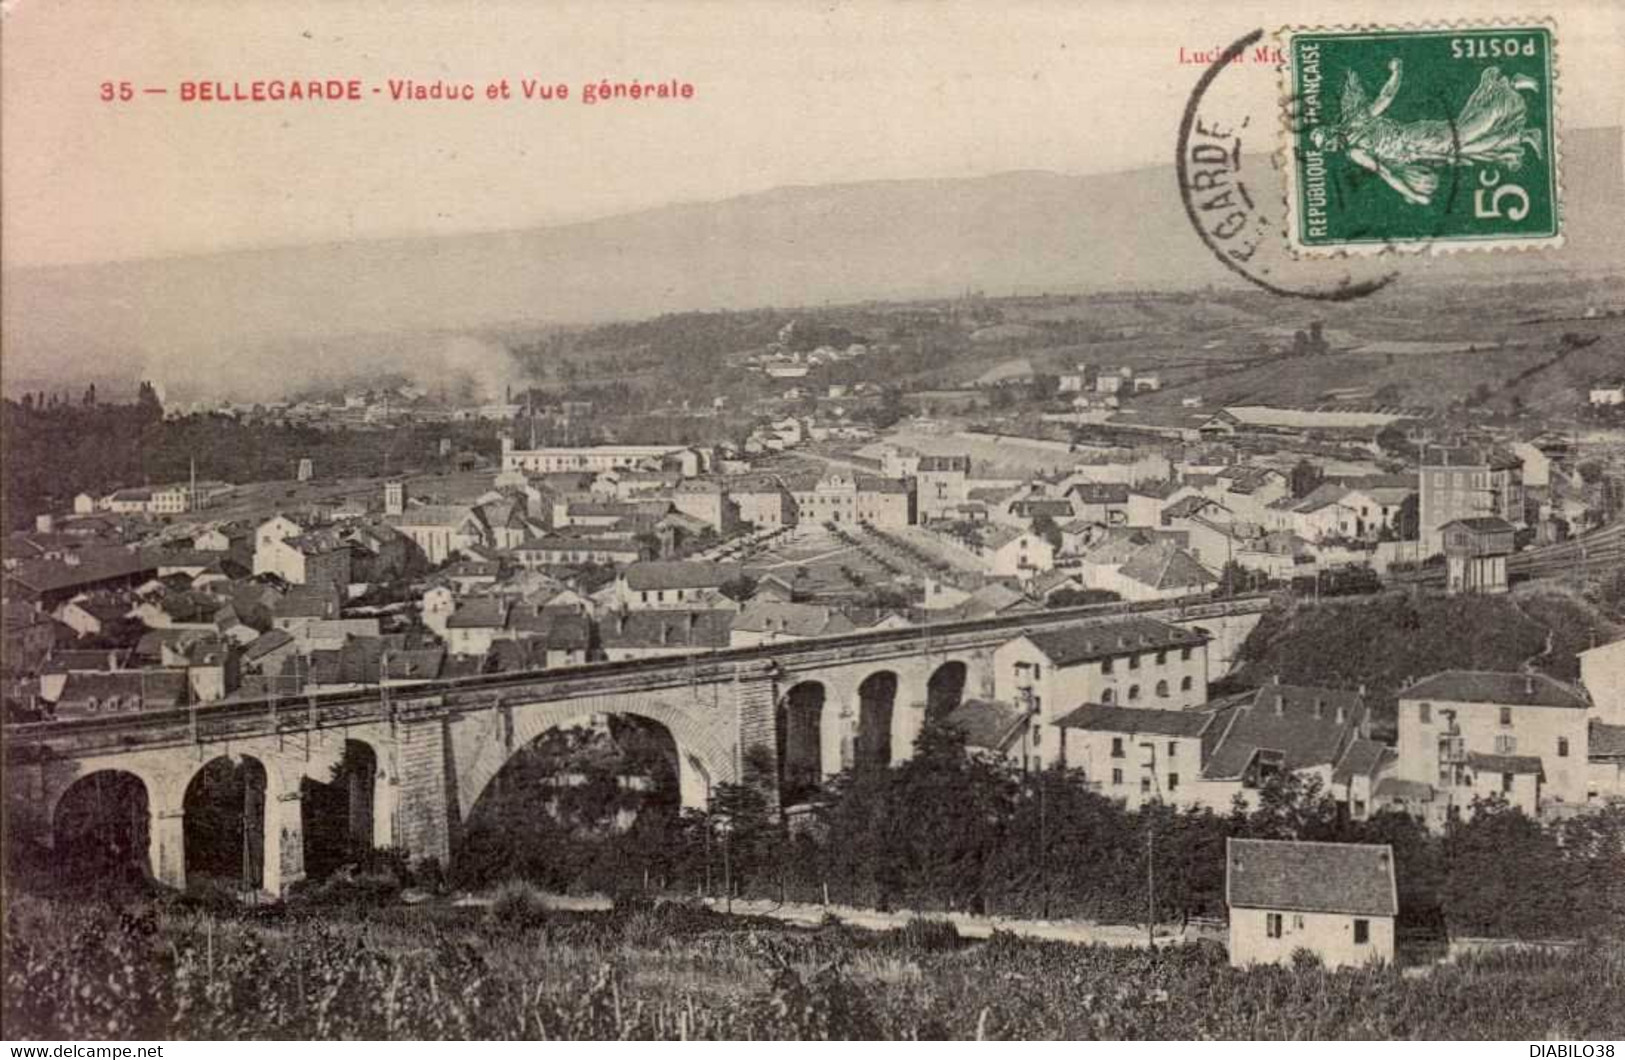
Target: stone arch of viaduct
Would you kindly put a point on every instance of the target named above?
(435, 752)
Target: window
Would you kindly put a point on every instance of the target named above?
(1362, 931)
(1038, 671)
(1185, 654)
(1117, 776)
(1297, 921)
(1173, 748)
(1145, 785)
(1506, 745)
(1272, 925)
(1108, 696)
(1185, 684)
(1173, 782)
(1133, 693)
(1506, 717)
(1162, 689)
(1117, 747)
(1162, 658)
(1133, 662)
(1106, 666)
(1562, 747)
(1506, 783)
(1424, 713)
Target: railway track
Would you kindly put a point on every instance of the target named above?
(1595, 551)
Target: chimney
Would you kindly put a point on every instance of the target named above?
(1528, 684)
(44, 524)
(1320, 709)
(1280, 704)
(1276, 679)
(1362, 689)
(1342, 715)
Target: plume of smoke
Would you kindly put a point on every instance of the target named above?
(463, 368)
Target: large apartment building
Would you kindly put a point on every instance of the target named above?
(1465, 482)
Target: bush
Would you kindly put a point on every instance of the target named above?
(1305, 959)
(519, 905)
(930, 935)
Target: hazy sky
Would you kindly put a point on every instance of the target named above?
(788, 92)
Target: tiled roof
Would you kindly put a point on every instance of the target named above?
(567, 631)
(1354, 878)
(1362, 758)
(93, 565)
(154, 689)
(1504, 689)
(1520, 764)
(1483, 524)
(801, 620)
(442, 515)
(1111, 637)
(1185, 507)
(1162, 566)
(1099, 717)
(265, 643)
(667, 629)
(1606, 741)
(479, 612)
(1100, 492)
(304, 601)
(987, 723)
(1282, 719)
(1036, 506)
(673, 575)
(1403, 790)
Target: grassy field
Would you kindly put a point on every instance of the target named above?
(154, 968)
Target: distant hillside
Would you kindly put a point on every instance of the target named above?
(1023, 231)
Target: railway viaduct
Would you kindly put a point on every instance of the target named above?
(432, 749)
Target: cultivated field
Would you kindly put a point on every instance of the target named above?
(170, 968)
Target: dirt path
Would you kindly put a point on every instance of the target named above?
(805, 914)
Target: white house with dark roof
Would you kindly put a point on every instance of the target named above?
(1139, 754)
(1337, 901)
(1137, 662)
(650, 634)
(994, 730)
(673, 584)
(1281, 729)
(1470, 733)
(1476, 734)
(774, 622)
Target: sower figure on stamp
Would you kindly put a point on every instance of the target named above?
(1490, 130)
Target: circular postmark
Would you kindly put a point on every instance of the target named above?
(1240, 218)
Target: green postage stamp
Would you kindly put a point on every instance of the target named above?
(1441, 138)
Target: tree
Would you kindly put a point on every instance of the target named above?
(1045, 527)
(739, 588)
(1304, 478)
(1044, 387)
(1408, 520)
(1080, 597)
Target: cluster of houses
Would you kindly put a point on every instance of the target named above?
(1126, 701)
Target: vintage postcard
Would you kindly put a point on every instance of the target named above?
(783, 520)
